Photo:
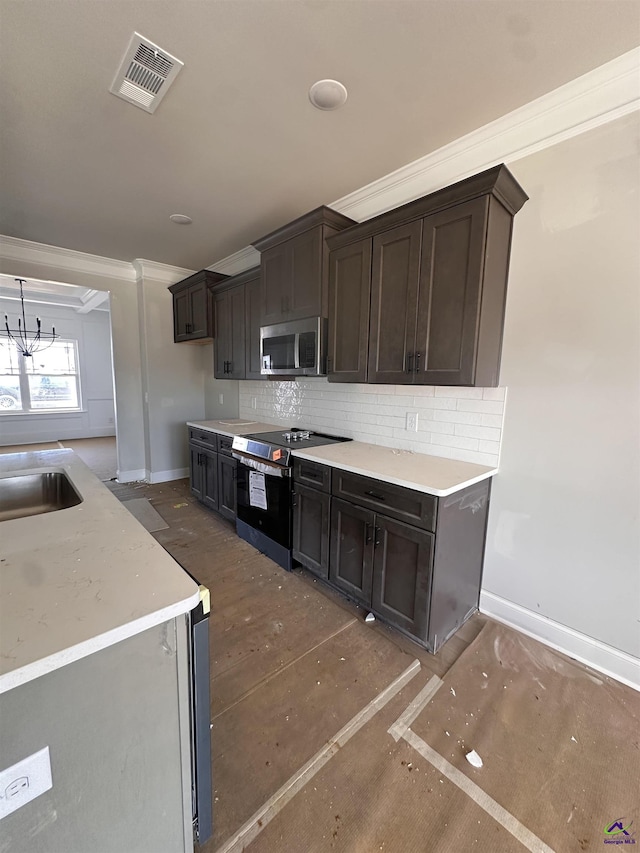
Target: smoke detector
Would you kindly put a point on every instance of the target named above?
(145, 74)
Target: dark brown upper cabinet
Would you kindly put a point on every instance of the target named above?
(193, 307)
(295, 266)
(237, 327)
(417, 295)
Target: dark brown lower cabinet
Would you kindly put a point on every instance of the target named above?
(213, 472)
(227, 487)
(424, 578)
(204, 475)
(311, 529)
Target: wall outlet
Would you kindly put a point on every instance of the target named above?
(221, 398)
(254, 402)
(412, 422)
(24, 781)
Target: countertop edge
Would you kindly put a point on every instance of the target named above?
(55, 661)
(397, 481)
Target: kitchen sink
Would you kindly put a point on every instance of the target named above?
(35, 493)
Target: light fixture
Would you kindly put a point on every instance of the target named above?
(328, 94)
(181, 219)
(27, 342)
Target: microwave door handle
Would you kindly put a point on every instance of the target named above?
(296, 355)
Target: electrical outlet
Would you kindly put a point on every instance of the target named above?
(221, 398)
(254, 402)
(412, 422)
(24, 781)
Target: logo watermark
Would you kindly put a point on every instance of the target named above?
(619, 832)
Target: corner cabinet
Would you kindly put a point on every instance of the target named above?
(417, 295)
(294, 266)
(193, 307)
(237, 327)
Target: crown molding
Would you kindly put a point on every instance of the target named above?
(16, 249)
(240, 261)
(163, 273)
(601, 96)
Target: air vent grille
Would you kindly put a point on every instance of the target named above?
(145, 74)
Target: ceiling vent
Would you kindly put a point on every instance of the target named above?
(145, 74)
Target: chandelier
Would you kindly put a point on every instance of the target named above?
(27, 342)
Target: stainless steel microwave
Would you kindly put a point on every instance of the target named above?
(297, 348)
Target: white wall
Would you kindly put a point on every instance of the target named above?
(459, 423)
(93, 334)
(563, 551)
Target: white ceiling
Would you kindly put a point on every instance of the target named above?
(236, 144)
(37, 292)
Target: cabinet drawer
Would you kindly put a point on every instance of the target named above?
(312, 474)
(397, 502)
(201, 436)
(224, 444)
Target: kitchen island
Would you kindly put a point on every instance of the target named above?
(94, 666)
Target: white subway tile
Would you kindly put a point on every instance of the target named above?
(480, 432)
(458, 417)
(455, 441)
(461, 393)
(420, 391)
(489, 447)
(492, 420)
(494, 393)
(489, 407)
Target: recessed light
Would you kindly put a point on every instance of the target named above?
(181, 219)
(327, 94)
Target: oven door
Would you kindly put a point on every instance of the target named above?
(264, 499)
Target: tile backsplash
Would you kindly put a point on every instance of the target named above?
(459, 423)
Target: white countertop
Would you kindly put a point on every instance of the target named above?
(234, 426)
(80, 579)
(434, 475)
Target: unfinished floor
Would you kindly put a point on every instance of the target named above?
(330, 734)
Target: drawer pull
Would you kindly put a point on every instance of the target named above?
(376, 496)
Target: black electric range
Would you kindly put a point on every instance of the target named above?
(264, 487)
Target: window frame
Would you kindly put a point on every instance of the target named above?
(23, 376)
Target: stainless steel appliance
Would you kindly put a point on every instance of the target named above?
(264, 488)
(297, 348)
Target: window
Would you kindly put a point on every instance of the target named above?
(46, 381)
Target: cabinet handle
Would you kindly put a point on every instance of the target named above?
(229, 370)
(376, 496)
(329, 363)
(409, 362)
(188, 328)
(368, 539)
(377, 540)
(294, 502)
(418, 357)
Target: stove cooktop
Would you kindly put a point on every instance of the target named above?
(277, 446)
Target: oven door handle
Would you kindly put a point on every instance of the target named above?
(268, 468)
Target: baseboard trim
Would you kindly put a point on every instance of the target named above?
(601, 657)
(166, 476)
(131, 476)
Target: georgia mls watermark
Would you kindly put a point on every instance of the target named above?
(619, 832)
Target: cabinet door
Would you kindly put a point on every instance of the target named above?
(195, 471)
(402, 575)
(209, 465)
(236, 366)
(199, 309)
(453, 245)
(227, 486)
(222, 342)
(349, 297)
(351, 557)
(394, 304)
(181, 316)
(311, 528)
(252, 323)
(303, 297)
(275, 278)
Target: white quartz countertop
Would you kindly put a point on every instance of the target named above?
(77, 580)
(234, 426)
(434, 475)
